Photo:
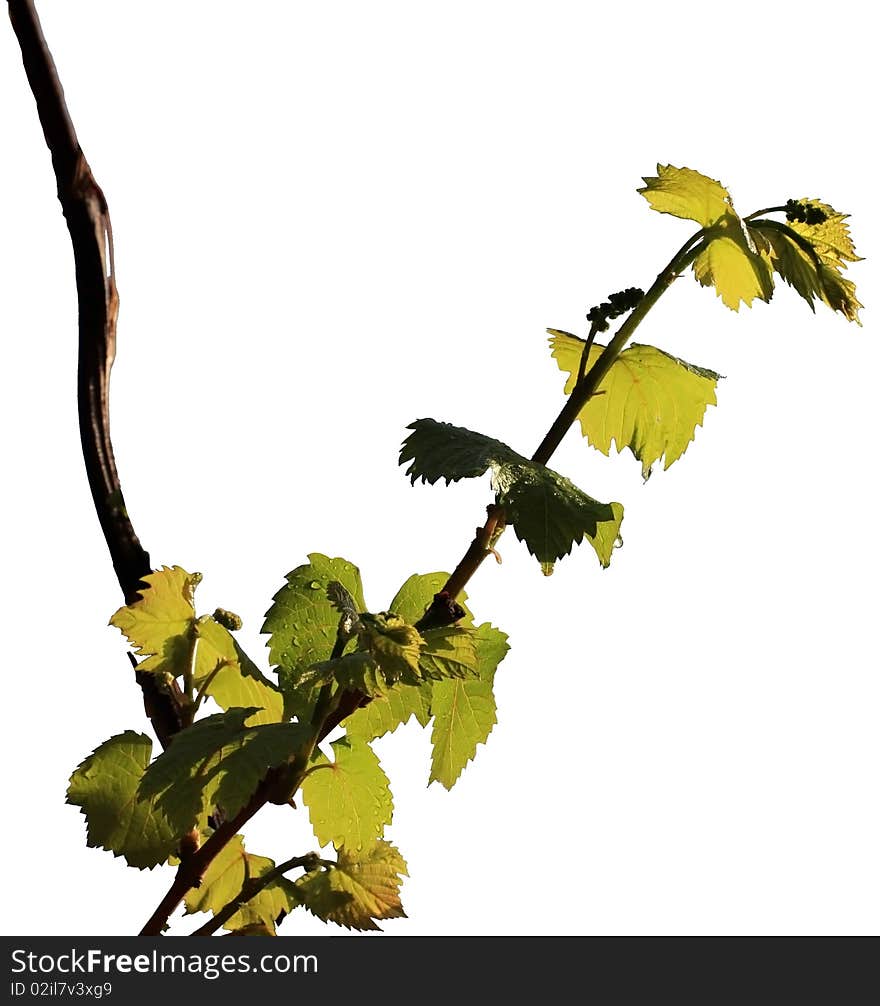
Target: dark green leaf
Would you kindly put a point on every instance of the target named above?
(548, 512)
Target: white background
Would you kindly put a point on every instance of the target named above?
(332, 219)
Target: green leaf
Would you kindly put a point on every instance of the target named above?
(238, 682)
(163, 627)
(464, 710)
(441, 450)
(416, 595)
(448, 653)
(391, 652)
(388, 710)
(302, 624)
(156, 623)
(348, 799)
(732, 264)
(357, 671)
(686, 193)
(548, 512)
(651, 402)
(217, 761)
(223, 881)
(105, 788)
(358, 890)
(395, 645)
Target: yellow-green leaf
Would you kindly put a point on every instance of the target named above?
(302, 623)
(651, 402)
(815, 276)
(223, 881)
(386, 712)
(731, 263)
(831, 238)
(686, 193)
(358, 890)
(348, 799)
(464, 709)
(395, 645)
(448, 653)
(232, 677)
(164, 612)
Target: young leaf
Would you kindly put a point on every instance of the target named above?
(348, 799)
(548, 512)
(358, 890)
(302, 623)
(357, 671)
(448, 653)
(416, 594)
(393, 644)
(105, 788)
(387, 711)
(686, 193)
(793, 263)
(651, 402)
(223, 881)
(839, 293)
(238, 682)
(164, 612)
(831, 238)
(464, 710)
(732, 264)
(729, 261)
(218, 760)
(812, 269)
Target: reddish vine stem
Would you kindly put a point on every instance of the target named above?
(88, 221)
(253, 886)
(192, 869)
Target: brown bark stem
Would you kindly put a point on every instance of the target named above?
(88, 220)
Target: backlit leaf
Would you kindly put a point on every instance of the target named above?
(348, 799)
(464, 710)
(686, 193)
(238, 682)
(795, 265)
(302, 623)
(359, 890)
(831, 238)
(386, 712)
(731, 263)
(164, 612)
(105, 788)
(814, 270)
(416, 595)
(651, 402)
(395, 645)
(223, 881)
(448, 652)
(356, 671)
